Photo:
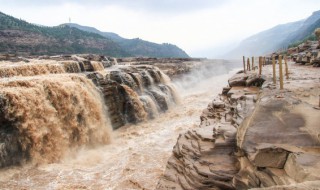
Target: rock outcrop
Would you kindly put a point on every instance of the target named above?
(248, 138)
(307, 53)
(206, 158)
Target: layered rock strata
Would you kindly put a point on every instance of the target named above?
(249, 140)
(206, 158)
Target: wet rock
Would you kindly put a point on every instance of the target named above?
(255, 80)
(238, 80)
(205, 158)
(269, 157)
(303, 167)
(218, 104)
(246, 79)
(225, 90)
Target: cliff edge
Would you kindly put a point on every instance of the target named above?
(253, 136)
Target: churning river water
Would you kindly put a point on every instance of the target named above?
(137, 156)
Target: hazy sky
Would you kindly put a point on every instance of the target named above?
(200, 27)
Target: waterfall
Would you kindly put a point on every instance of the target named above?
(135, 93)
(51, 106)
(138, 80)
(97, 65)
(71, 66)
(44, 116)
(134, 110)
(150, 106)
(8, 69)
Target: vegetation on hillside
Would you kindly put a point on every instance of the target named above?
(138, 47)
(308, 34)
(311, 37)
(20, 37)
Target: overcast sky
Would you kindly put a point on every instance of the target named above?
(203, 28)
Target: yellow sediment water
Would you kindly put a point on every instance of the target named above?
(137, 104)
(151, 104)
(135, 159)
(175, 94)
(97, 65)
(137, 78)
(71, 66)
(71, 104)
(35, 67)
(164, 78)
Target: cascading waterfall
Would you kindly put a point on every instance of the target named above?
(49, 107)
(129, 91)
(138, 79)
(44, 116)
(134, 109)
(150, 106)
(71, 66)
(97, 66)
(30, 69)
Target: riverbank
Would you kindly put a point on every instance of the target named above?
(252, 137)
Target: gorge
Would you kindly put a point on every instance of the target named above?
(51, 127)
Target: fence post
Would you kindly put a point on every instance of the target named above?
(260, 65)
(248, 64)
(252, 63)
(280, 72)
(286, 65)
(244, 64)
(274, 70)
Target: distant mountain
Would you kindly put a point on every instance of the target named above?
(137, 47)
(111, 35)
(278, 37)
(21, 37)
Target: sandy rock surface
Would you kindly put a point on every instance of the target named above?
(251, 138)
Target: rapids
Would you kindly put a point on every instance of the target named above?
(137, 156)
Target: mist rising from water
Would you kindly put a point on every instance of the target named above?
(204, 76)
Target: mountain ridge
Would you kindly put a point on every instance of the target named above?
(21, 37)
(277, 37)
(137, 46)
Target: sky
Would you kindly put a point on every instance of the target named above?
(203, 28)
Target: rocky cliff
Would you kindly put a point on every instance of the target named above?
(252, 138)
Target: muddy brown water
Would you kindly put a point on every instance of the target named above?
(135, 159)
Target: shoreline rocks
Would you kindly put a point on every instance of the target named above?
(251, 138)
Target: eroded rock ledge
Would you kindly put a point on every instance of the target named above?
(250, 139)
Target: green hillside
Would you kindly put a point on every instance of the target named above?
(18, 36)
(137, 47)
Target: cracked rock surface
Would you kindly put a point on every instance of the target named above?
(252, 137)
